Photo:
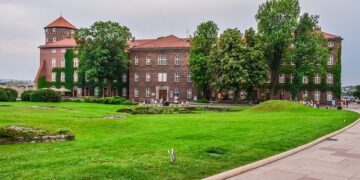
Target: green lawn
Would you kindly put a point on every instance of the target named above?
(136, 147)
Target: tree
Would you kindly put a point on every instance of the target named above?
(227, 62)
(203, 40)
(102, 51)
(309, 52)
(356, 94)
(277, 20)
(255, 62)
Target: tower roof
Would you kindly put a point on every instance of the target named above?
(61, 22)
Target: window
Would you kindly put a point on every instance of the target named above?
(292, 63)
(54, 29)
(53, 51)
(76, 77)
(136, 77)
(177, 77)
(46, 30)
(331, 44)
(53, 77)
(62, 77)
(329, 78)
(162, 77)
(62, 62)
(147, 79)
(148, 60)
(124, 92)
(282, 78)
(54, 39)
(317, 95)
(147, 92)
(162, 60)
(305, 80)
(124, 77)
(177, 60)
(329, 96)
(47, 39)
(292, 76)
(317, 79)
(53, 62)
(305, 94)
(331, 60)
(176, 91)
(189, 93)
(189, 77)
(63, 50)
(136, 92)
(137, 60)
(268, 78)
(72, 31)
(76, 62)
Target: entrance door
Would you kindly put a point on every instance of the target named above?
(163, 94)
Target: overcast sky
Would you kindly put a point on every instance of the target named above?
(22, 22)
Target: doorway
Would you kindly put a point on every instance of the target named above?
(163, 94)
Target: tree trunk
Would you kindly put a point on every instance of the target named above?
(109, 88)
(250, 94)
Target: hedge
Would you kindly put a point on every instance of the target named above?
(8, 94)
(25, 96)
(45, 95)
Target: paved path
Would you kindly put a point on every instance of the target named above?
(337, 158)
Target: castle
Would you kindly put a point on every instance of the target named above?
(159, 69)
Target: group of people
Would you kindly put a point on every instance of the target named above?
(311, 103)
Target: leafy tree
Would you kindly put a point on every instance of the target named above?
(69, 69)
(309, 52)
(227, 62)
(255, 62)
(277, 21)
(102, 51)
(356, 94)
(201, 43)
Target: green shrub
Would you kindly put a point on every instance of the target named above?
(106, 100)
(127, 102)
(45, 95)
(25, 96)
(63, 131)
(11, 94)
(3, 96)
(203, 100)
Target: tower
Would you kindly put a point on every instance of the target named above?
(58, 30)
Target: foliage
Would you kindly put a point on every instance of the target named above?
(356, 94)
(227, 62)
(8, 94)
(106, 100)
(102, 51)
(25, 96)
(69, 69)
(42, 83)
(45, 95)
(202, 42)
(142, 140)
(203, 100)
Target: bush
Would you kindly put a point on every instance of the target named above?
(25, 96)
(107, 100)
(11, 94)
(127, 102)
(3, 96)
(203, 100)
(45, 95)
(63, 131)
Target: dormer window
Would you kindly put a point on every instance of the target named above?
(54, 29)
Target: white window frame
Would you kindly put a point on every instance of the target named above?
(47, 39)
(53, 76)
(177, 59)
(305, 94)
(189, 77)
(189, 93)
(317, 79)
(124, 77)
(162, 77)
(282, 78)
(331, 44)
(292, 77)
(329, 96)
(54, 30)
(317, 95)
(136, 92)
(331, 60)
(53, 62)
(305, 80)
(62, 77)
(329, 78)
(76, 76)
(63, 50)
(54, 39)
(177, 77)
(62, 63)
(76, 62)
(147, 92)
(162, 60)
(53, 51)
(46, 30)
(124, 92)
(148, 60)
(136, 77)
(147, 77)
(137, 60)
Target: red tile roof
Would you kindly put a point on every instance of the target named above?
(68, 43)
(61, 22)
(330, 36)
(162, 42)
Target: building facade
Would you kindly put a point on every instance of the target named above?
(159, 69)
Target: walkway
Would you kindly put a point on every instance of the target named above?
(337, 158)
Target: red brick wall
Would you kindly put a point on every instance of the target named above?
(60, 33)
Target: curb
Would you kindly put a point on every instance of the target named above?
(260, 163)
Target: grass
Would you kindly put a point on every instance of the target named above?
(135, 147)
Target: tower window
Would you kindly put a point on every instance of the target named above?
(54, 29)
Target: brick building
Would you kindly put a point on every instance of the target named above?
(159, 69)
